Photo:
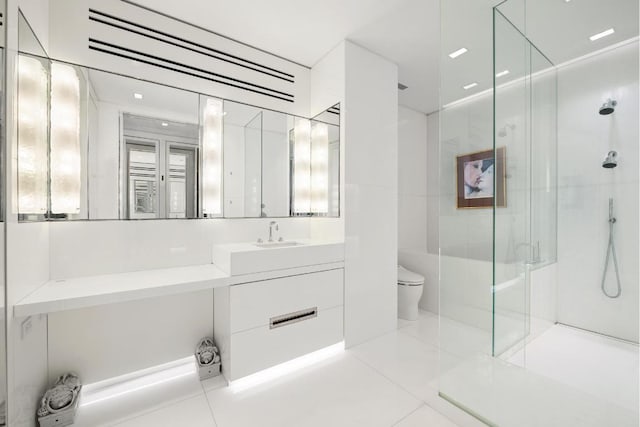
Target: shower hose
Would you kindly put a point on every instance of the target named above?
(611, 253)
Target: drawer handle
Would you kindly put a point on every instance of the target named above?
(289, 318)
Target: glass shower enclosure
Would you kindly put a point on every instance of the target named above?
(527, 337)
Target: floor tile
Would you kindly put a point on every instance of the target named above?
(426, 416)
(425, 328)
(340, 391)
(595, 364)
(511, 396)
(404, 360)
(193, 412)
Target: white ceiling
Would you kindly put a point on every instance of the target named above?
(407, 32)
(404, 31)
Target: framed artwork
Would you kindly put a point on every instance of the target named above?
(480, 178)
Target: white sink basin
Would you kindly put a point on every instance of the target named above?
(246, 258)
(283, 244)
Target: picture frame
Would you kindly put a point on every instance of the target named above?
(480, 176)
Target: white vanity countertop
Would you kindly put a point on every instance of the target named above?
(247, 258)
(89, 291)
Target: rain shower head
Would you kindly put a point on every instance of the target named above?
(611, 160)
(608, 107)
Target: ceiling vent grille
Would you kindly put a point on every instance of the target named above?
(140, 43)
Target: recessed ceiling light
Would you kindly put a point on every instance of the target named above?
(602, 34)
(457, 53)
(469, 86)
(165, 124)
(137, 95)
(502, 73)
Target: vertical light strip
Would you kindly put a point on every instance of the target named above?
(65, 140)
(212, 157)
(320, 168)
(302, 166)
(32, 136)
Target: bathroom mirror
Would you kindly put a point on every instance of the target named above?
(143, 149)
(256, 161)
(325, 162)
(95, 145)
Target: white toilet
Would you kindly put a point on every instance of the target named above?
(410, 287)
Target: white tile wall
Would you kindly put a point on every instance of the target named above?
(584, 138)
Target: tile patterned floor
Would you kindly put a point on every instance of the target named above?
(385, 382)
(393, 381)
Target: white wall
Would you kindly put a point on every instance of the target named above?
(585, 137)
(37, 14)
(414, 166)
(27, 266)
(371, 194)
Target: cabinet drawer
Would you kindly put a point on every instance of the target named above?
(253, 304)
(264, 347)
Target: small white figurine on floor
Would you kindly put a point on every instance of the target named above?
(208, 358)
(57, 407)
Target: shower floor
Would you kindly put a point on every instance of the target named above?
(603, 367)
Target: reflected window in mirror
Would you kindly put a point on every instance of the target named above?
(161, 158)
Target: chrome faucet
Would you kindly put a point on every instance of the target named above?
(271, 225)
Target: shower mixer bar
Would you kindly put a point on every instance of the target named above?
(611, 252)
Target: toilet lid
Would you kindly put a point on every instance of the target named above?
(407, 277)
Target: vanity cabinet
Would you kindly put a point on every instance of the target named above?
(261, 324)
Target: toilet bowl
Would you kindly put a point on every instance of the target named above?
(410, 287)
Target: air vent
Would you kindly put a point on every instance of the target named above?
(124, 38)
(401, 86)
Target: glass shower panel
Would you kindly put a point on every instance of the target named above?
(465, 218)
(512, 239)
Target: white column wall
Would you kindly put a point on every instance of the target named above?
(371, 194)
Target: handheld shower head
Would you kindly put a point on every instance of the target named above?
(608, 107)
(611, 160)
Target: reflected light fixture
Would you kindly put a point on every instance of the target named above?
(320, 168)
(212, 157)
(469, 86)
(165, 124)
(32, 136)
(301, 166)
(502, 73)
(458, 52)
(137, 95)
(602, 34)
(65, 140)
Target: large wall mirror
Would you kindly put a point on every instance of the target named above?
(98, 145)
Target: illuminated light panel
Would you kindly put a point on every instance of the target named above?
(137, 96)
(285, 368)
(65, 157)
(212, 157)
(458, 52)
(302, 166)
(469, 86)
(602, 34)
(502, 73)
(136, 382)
(320, 168)
(32, 136)
(165, 124)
